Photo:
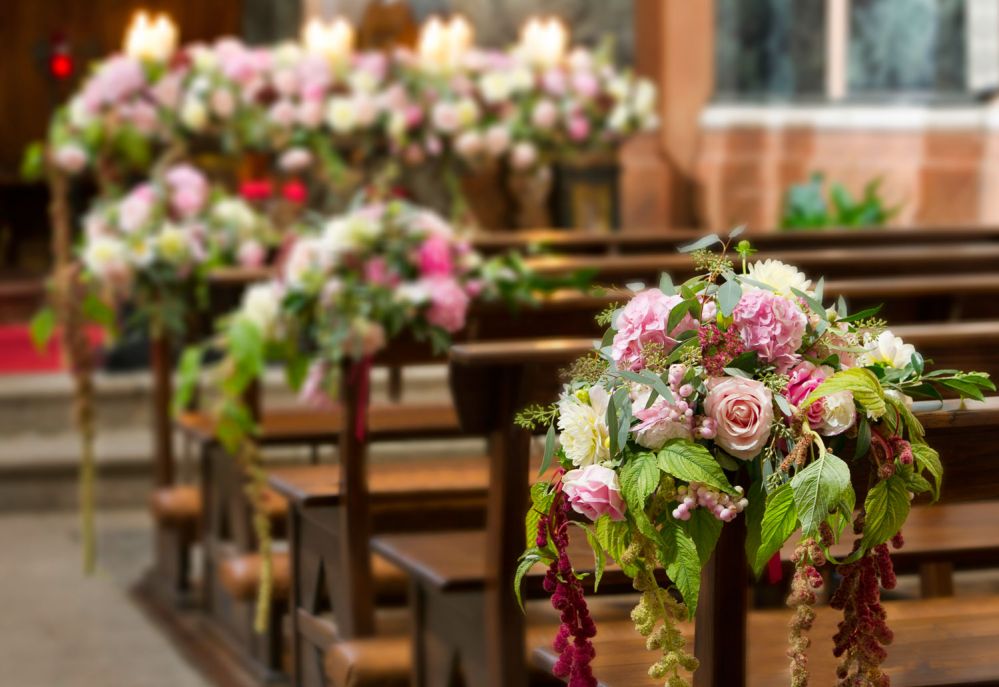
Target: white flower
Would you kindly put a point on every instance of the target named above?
(524, 155)
(71, 158)
(261, 305)
(143, 253)
(194, 114)
(79, 116)
(106, 257)
(295, 159)
(235, 213)
(644, 101)
(467, 112)
(888, 350)
(341, 115)
(779, 276)
(497, 139)
(619, 117)
(363, 81)
(172, 243)
(135, 211)
(304, 258)
(583, 425)
(412, 293)
(469, 144)
(839, 415)
(496, 86)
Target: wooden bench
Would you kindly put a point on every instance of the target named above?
(488, 658)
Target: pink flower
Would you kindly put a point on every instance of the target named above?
(144, 117)
(251, 254)
(524, 155)
(448, 304)
(70, 158)
(594, 491)
(661, 422)
(295, 160)
(445, 117)
(742, 410)
(188, 190)
(283, 113)
(435, 257)
(136, 208)
(376, 271)
(585, 84)
(222, 103)
(544, 115)
(804, 379)
(642, 322)
(497, 139)
(469, 144)
(770, 325)
(579, 127)
(554, 82)
(365, 338)
(310, 113)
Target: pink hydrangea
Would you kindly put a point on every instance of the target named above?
(594, 491)
(643, 322)
(770, 325)
(435, 257)
(804, 379)
(448, 304)
(661, 422)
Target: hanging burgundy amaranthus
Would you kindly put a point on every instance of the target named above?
(573, 641)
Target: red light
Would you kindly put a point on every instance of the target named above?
(61, 65)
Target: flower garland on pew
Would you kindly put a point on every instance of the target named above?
(313, 116)
(384, 270)
(150, 249)
(731, 379)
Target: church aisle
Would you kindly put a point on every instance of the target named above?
(60, 628)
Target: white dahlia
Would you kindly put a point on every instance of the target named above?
(778, 276)
(583, 424)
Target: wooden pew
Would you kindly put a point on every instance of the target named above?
(438, 636)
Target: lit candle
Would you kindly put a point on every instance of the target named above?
(153, 39)
(444, 45)
(334, 41)
(544, 41)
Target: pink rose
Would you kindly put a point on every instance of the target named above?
(544, 115)
(251, 254)
(742, 410)
(448, 304)
(804, 378)
(594, 491)
(435, 257)
(295, 160)
(136, 209)
(376, 271)
(310, 113)
(70, 158)
(188, 190)
(283, 113)
(642, 322)
(222, 103)
(770, 325)
(554, 82)
(579, 127)
(585, 84)
(497, 139)
(445, 117)
(524, 155)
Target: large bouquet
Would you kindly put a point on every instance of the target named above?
(161, 238)
(735, 395)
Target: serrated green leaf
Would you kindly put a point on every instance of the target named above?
(887, 506)
(861, 382)
(639, 478)
(818, 487)
(683, 564)
(704, 529)
(728, 297)
(613, 536)
(541, 503)
(928, 460)
(692, 462)
(780, 520)
(42, 327)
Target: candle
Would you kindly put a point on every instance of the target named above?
(151, 39)
(444, 45)
(334, 41)
(544, 41)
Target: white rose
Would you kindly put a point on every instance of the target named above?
(106, 257)
(888, 350)
(172, 243)
(341, 115)
(583, 426)
(261, 305)
(839, 415)
(194, 114)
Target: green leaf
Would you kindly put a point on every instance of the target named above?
(863, 438)
(965, 389)
(33, 162)
(639, 478)
(546, 461)
(928, 460)
(915, 482)
(813, 304)
(541, 503)
(912, 424)
(528, 560)
(754, 519)
(650, 379)
(666, 285)
(700, 243)
(780, 520)
(887, 507)
(861, 382)
(188, 375)
(816, 488)
(599, 557)
(42, 327)
(728, 296)
(683, 564)
(704, 529)
(612, 427)
(613, 536)
(99, 312)
(677, 313)
(692, 462)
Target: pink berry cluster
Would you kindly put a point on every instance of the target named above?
(577, 629)
(719, 347)
(696, 495)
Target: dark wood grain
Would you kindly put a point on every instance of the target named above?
(161, 366)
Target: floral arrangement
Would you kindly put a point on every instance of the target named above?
(735, 395)
(308, 111)
(162, 237)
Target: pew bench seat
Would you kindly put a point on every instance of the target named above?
(284, 426)
(938, 642)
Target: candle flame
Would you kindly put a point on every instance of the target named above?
(445, 44)
(334, 40)
(151, 38)
(544, 41)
